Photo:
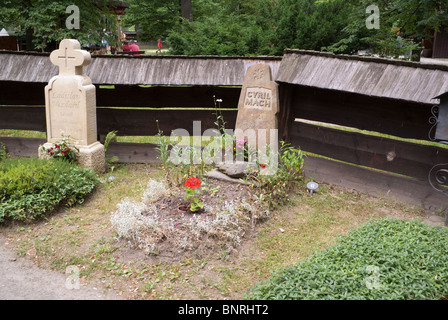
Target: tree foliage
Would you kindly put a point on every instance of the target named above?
(402, 25)
(152, 17)
(239, 27)
(47, 20)
(311, 25)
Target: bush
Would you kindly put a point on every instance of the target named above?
(3, 153)
(387, 259)
(274, 188)
(31, 187)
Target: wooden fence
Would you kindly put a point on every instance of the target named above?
(359, 160)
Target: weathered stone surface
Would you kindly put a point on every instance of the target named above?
(92, 156)
(216, 174)
(234, 170)
(258, 107)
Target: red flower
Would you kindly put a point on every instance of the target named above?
(193, 183)
(64, 152)
(57, 146)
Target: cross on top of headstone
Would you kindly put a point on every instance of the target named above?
(70, 58)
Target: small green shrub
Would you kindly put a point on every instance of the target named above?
(31, 187)
(110, 137)
(3, 153)
(386, 259)
(273, 188)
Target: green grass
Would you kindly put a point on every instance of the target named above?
(22, 133)
(82, 235)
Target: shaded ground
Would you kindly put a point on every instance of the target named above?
(23, 280)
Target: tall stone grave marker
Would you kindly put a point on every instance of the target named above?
(70, 104)
(256, 121)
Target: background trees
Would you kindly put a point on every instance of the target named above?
(403, 25)
(238, 27)
(45, 20)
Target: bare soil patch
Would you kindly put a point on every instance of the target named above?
(229, 216)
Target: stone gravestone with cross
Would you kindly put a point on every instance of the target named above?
(70, 104)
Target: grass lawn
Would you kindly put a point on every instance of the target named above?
(83, 236)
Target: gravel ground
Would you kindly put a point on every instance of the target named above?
(21, 280)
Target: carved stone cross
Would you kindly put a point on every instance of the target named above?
(70, 58)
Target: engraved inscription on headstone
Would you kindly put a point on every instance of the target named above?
(258, 98)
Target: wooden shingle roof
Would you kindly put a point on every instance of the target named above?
(403, 80)
(139, 70)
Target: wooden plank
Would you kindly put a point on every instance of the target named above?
(391, 155)
(364, 75)
(133, 152)
(158, 96)
(395, 117)
(11, 93)
(379, 184)
(23, 118)
(129, 122)
(22, 147)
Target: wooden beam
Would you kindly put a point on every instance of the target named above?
(379, 184)
(133, 152)
(406, 158)
(23, 118)
(11, 93)
(128, 122)
(395, 117)
(160, 96)
(22, 147)
(144, 122)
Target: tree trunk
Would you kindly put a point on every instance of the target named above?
(186, 9)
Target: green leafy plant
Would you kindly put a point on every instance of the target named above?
(273, 187)
(3, 153)
(384, 259)
(31, 187)
(162, 147)
(111, 136)
(220, 122)
(240, 149)
(192, 194)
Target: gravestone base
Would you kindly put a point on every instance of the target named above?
(92, 156)
(43, 153)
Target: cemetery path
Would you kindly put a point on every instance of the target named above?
(21, 280)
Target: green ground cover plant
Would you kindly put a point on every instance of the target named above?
(3, 153)
(32, 187)
(384, 259)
